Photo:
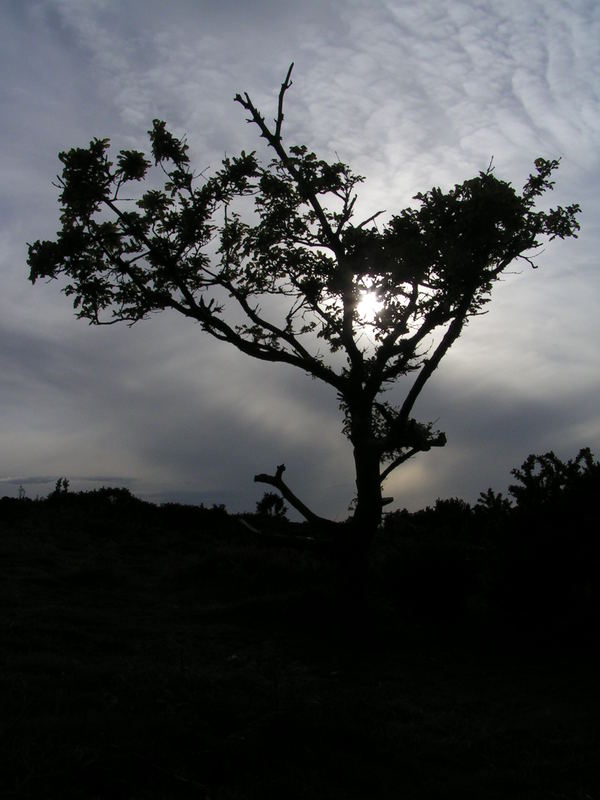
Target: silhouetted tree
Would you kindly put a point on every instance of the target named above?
(271, 505)
(493, 503)
(61, 488)
(545, 478)
(492, 512)
(284, 284)
(548, 546)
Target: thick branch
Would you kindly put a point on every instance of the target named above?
(451, 335)
(277, 482)
(436, 441)
(390, 347)
(221, 330)
(356, 356)
(311, 364)
(218, 328)
(397, 461)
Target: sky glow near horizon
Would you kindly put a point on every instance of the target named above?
(410, 95)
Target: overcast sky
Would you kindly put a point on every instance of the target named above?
(410, 93)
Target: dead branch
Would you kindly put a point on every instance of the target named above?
(277, 481)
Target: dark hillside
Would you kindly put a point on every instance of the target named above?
(162, 652)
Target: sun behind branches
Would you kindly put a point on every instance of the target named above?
(368, 306)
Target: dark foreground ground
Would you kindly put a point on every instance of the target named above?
(153, 655)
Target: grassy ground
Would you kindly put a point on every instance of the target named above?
(143, 658)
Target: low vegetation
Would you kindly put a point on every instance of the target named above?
(170, 651)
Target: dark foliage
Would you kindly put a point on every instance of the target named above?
(553, 544)
(532, 564)
(271, 505)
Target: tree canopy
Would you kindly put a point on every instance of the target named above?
(270, 258)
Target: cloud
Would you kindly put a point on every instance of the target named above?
(411, 95)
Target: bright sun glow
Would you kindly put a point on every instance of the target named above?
(368, 306)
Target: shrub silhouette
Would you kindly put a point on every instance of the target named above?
(531, 563)
(271, 505)
(548, 549)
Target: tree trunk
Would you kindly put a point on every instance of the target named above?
(367, 514)
(359, 535)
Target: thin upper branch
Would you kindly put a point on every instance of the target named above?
(274, 140)
(284, 87)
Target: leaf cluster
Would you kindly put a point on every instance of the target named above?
(129, 257)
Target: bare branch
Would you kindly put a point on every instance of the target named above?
(397, 461)
(305, 359)
(384, 371)
(529, 260)
(284, 87)
(277, 481)
(371, 218)
(274, 141)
